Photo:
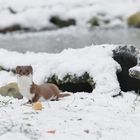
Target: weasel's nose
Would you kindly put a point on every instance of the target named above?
(23, 73)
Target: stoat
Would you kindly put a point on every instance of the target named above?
(32, 91)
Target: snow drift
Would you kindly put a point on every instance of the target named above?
(97, 61)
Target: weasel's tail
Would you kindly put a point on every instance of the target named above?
(63, 95)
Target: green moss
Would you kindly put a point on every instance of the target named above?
(10, 90)
(54, 79)
(69, 78)
(94, 21)
(73, 83)
(134, 20)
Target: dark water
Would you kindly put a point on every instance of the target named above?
(73, 37)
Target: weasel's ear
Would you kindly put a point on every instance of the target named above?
(31, 69)
(17, 69)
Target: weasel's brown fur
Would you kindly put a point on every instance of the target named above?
(47, 91)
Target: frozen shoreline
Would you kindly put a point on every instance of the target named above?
(36, 15)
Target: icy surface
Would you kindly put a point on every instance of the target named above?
(36, 15)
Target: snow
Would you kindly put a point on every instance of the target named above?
(36, 15)
(96, 60)
(10, 136)
(135, 72)
(81, 116)
(136, 68)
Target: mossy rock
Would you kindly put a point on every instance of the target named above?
(11, 90)
(134, 20)
(94, 21)
(73, 83)
(61, 22)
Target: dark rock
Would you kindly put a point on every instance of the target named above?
(106, 21)
(13, 28)
(87, 131)
(76, 87)
(8, 70)
(128, 49)
(127, 58)
(61, 22)
(55, 20)
(20, 28)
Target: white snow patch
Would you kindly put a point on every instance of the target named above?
(12, 136)
(135, 68)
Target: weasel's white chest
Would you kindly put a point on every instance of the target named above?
(24, 84)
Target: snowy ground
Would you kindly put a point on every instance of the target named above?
(81, 116)
(36, 15)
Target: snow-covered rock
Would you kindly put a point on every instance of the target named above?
(95, 60)
(127, 57)
(103, 67)
(11, 90)
(135, 72)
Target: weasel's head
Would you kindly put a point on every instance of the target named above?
(24, 70)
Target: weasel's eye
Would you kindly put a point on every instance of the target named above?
(27, 71)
